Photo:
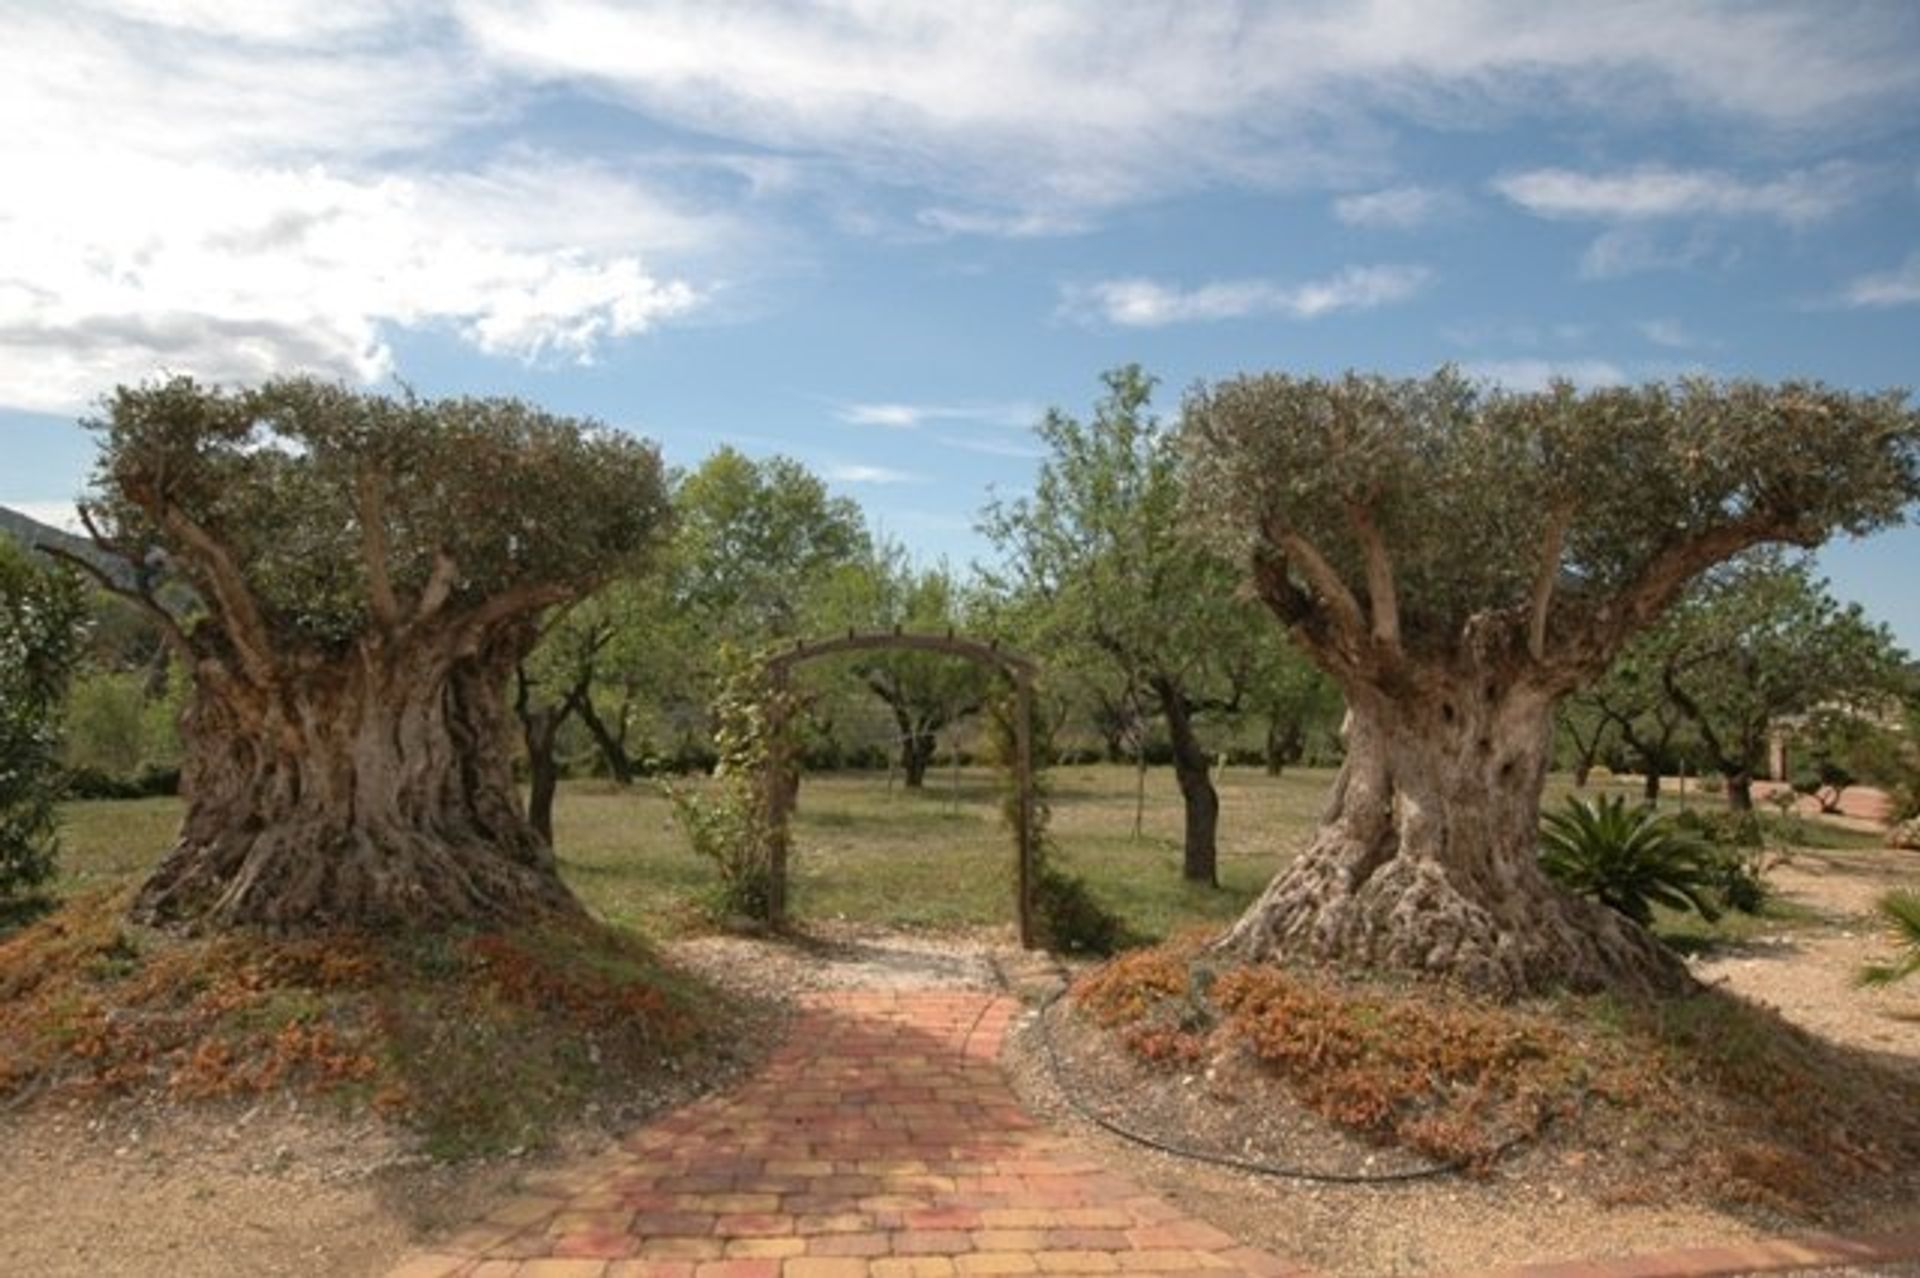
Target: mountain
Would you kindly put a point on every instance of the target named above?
(31, 532)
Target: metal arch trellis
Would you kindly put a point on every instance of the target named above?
(778, 796)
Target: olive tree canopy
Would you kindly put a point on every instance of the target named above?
(368, 570)
(1459, 558)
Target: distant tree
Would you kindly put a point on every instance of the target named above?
(1759, 641)
(1102, 545)
(41, 638)
(1632, 700)
(1292, 699)
(1459, 560)
(924, 693)
(372, 571)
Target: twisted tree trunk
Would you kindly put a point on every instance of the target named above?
(1427, 857)
(374, 789)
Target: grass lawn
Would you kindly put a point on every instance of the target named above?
(935, 859)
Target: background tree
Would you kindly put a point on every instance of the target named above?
(1631, 700)
(1459, 560)
(1101, 546)
(41, 637)
(371, 571)
(755, 545)
(1291, 699)
(924, 693)
(1760, 641)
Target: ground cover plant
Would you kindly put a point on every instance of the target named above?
(480, 1042)
(1708, 1098)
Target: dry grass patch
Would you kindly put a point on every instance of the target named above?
(480, 1042)
(1707, 1098)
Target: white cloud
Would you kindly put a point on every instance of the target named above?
(1059, 108)
(1144, 303)
(1897, 287)
(1630, 250)
(197, 189)
(901, 416)
(1024, 224)
(1397, 208)
(1538, 374)
(1672, 334)
(860, 473)
(1652, 192)
(992, 447)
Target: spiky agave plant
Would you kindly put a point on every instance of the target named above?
(1628, 858)
(1900, 911)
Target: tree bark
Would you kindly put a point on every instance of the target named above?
(1427, 857)
(613, 748)
(1191, 768)
(372, 790)
(1740, 791)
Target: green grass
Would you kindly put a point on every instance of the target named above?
(936, 859)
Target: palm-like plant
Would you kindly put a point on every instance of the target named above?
(1900, 911)
(1628, 858)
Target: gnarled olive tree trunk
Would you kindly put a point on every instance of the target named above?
(1426, 859)
(374, 789)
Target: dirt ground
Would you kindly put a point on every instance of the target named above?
(273, 1189)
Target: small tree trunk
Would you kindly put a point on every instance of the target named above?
(1740, 790)
(375, 790)
(1200, 855)
(916, 756)
(543, 782)
(613, 749)
(1427, 857)
(1650, 784)
(1582, 772)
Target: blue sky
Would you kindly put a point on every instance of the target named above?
(881, 237)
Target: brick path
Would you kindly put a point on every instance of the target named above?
(880, 1140)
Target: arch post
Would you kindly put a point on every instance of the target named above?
(1023, 765)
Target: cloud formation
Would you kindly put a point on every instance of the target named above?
(1652, 192)
(1899, 286)
(1397, 208)
(1145, 303)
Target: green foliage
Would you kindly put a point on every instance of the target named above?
(1627, 858)
(1760, 640)
(1689, 471)
(727, 821)
(41, 635)
(1067, 917)
(1900, 912)
(1099, 572)
(311, 491)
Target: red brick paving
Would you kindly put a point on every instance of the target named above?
(882, 1142)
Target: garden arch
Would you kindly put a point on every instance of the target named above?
(778, 796)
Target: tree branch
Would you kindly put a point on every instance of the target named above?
(1382, 595)
(170, 628)
(1544, 579)
(371, 496)
(240, 615)
(439, 587)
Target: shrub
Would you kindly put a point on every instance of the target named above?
(1900, 911)
(1628, 858)
(1070, 921)
(727, 821)
(40, 635)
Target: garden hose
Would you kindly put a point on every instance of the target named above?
(1228, 1160)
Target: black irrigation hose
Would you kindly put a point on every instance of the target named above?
(1228, 1160)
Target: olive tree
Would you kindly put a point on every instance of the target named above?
(1459, 559)
(42, 634)
(369, 572)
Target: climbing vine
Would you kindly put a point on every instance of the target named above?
(728, 820)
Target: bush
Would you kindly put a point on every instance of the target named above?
(1068, 919)
(40, 636)
(149, 782)
(1628, 858)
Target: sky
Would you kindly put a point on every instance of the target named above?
(883, 237)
